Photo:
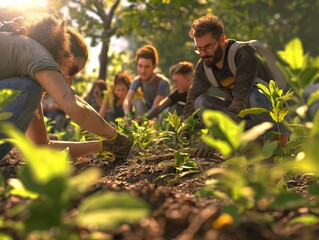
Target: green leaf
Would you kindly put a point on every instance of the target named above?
(307, 220)
(293, 54)
(264, 90)
(180, 158)
(255, 132)
(81, 182)
(222, 146)
(313, 97)
(106, 211)
(223, 127)
(174, 120)
(5, 116)
(314, 190)
(19, 189)
(248, 111)
(278, 114)
(289, 201)
(308, 76)
(47, 169)
(7, 96)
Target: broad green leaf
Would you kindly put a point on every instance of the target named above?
(313, 97)
(5, 116)
(223, 127)
(314, 190)
(7, 96)
(106, 211)
(248, 111)
(4, 236)
(278, 114)
(289, 201)
(46, 170)
(264, 90)
(174, 120)
(307, 220)
(308, 76)
(180, 158)
(19, 189)
(222, 146)
(81, 182)
(184, 173)
(293, 54)
(255, 132)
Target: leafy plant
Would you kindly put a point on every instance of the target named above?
(6, 97)
(46, 179)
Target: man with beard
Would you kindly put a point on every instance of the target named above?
(240, 91)
(155, 87)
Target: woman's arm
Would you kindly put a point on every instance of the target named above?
(78, 110)
(37, 134)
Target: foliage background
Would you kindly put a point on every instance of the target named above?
(165, 24)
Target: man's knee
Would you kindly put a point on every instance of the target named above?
(201, 101)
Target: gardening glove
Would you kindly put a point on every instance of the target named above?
(203, 151)
(120, 146)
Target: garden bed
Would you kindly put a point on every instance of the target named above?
(175, 210)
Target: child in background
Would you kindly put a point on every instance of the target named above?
(112, 105)
(182, 74)
(96, 94)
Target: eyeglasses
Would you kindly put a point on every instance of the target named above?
(75, 69)
(210, 46)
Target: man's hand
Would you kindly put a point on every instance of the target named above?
(203, 151)
(120, 146)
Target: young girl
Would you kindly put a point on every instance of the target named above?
(112, 105)
(96, 94)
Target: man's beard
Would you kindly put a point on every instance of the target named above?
(212, 60)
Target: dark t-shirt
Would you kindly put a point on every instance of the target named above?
(177, 97)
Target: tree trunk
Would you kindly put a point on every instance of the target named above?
(104, 59)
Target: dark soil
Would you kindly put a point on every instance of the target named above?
(176, 211)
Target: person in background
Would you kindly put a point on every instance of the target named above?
(55, 54)
(155, 87)
(54, 113)
(240, 89)
(112, 105)
(182, 74)
(96, 94)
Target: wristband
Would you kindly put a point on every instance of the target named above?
(114, 137)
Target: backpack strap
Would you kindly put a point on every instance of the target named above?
(141, 83)
(210, 75)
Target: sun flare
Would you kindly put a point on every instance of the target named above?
(25, 4)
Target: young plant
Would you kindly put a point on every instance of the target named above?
(182, 129)
(46, 180)
(182, 163)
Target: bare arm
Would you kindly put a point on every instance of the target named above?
(37, 134)
(78, 110)
(127, 104)
(103, 109)
(157, 100)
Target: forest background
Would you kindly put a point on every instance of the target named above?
(165, 24)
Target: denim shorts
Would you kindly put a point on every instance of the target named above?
(22, 107)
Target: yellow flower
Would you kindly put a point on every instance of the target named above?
(222, 220)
